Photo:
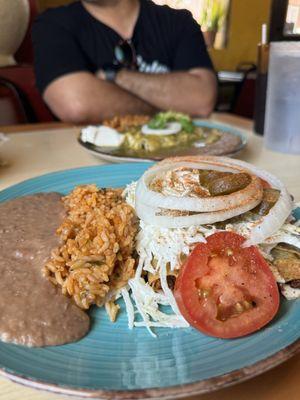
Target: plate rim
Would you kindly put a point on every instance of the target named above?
(170, 392)
(59, 171)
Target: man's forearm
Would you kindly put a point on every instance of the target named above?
(193, 93)
(83, 98)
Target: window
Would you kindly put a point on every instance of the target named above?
(212, 15)
(292, 20)
(194, 6)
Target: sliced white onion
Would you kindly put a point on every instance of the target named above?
(149, 215)
(278, 214)
(262, 229)
(171, 129)
(272, 222)
(187, 203)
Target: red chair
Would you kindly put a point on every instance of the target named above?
(21, 78)
(11, 105)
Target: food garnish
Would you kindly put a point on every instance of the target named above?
(226, 290)
(161, 120)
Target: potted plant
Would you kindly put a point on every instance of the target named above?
(211, 19)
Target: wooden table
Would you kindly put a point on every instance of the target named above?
(38, 149)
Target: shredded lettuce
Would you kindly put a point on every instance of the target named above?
(129, 307)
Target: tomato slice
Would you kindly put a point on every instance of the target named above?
(225, 290)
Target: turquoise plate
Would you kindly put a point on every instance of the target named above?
(113, 362)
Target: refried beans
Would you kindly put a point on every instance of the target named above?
(33, 312)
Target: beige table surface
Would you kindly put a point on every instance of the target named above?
(35, 150)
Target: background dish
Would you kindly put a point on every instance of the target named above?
(112, 360)
(113, 155)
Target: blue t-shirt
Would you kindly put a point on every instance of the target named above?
(69, 39)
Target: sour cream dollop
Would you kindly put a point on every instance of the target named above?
(171, 129)
(103, 136)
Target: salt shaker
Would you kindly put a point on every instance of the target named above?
(282, 120)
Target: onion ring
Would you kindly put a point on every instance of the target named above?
(272, 222)
(151, 217)
(186, 203)
(278, 214)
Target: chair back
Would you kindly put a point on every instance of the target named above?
(243, 102)
(11, 105)
(23, 78)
